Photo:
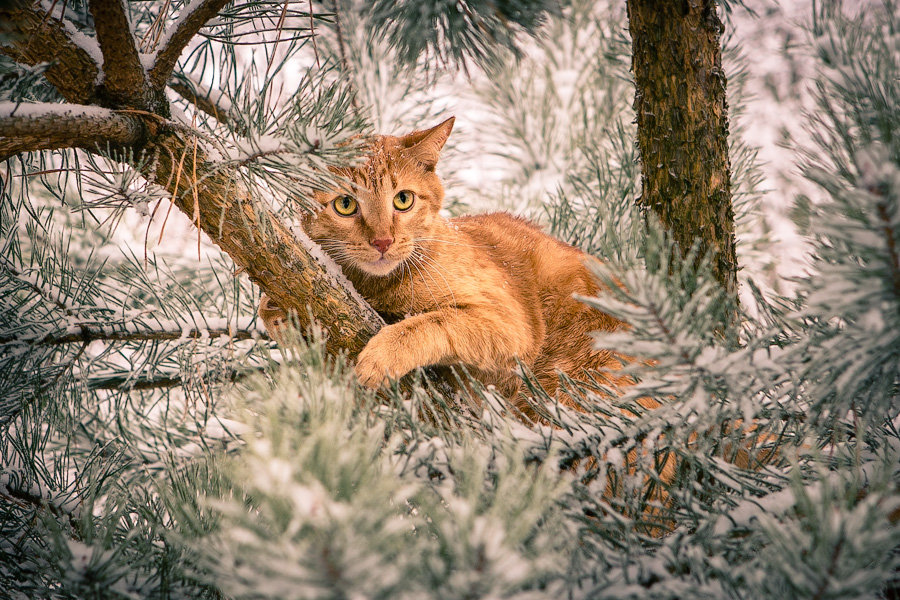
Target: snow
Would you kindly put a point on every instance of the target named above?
(38, 109)
(246, 149)
(332, 269)
(166, 37)
(86, 43)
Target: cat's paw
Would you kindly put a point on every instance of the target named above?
(274, 317)
(380, 360)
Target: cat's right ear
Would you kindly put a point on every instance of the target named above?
(425, 146)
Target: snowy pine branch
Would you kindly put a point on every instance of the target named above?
(32, 35)
(206, 99)
(35, 126)
(193, 16)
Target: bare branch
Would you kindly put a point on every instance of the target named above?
(124, 75)
(194, 16)
(203, 98)
(46, 126)
(129, 333)
(30, 36)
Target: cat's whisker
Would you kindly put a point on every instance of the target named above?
(427, 262)
(412, 288)
(423, 272)
(451, 242)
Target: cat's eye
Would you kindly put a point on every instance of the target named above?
(345, 205)
(404, 200)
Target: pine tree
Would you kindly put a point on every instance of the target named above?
(154, 444)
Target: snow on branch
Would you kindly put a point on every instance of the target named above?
(30, 35)
(123, 73)
(27, 127)
(193, 17)
(164, 381)
(136, 332)
(292, 274)
(212, 102)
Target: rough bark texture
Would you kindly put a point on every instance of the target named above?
(209, 194)
(66, 126)
(683, 125)
(123, 72)
(30, 36)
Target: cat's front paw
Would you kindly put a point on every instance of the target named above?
(380, 360)
(275, 318)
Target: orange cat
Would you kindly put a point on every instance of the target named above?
(481, 291)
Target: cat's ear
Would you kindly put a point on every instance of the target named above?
(425, 146)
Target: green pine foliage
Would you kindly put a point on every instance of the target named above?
(155, 444)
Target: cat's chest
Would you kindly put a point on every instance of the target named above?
(413, 293)
(392, 301)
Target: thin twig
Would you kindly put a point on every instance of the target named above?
(127, 382)
(93, 333)
(203, 103)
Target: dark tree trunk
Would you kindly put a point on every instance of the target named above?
(683, 125)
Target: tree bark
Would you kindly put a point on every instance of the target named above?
(30, 36)
(682, 120)
(123, 73)
(65, 126)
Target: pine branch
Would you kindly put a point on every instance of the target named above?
(209, 193)
(200, 97)
(129, 333)
(30, 36)
(195, 16)
(123, 73)
(48, 126)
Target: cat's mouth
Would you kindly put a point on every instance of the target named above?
(379, 267)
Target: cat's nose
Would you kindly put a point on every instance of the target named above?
(382, 244)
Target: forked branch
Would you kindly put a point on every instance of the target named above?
(209, 193)
(46, 126)
(122, 69)
(194, 16)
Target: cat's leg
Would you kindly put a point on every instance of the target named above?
(478, 336)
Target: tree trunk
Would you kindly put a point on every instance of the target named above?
(683, 126)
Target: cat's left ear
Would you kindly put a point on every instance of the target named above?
(425, 146)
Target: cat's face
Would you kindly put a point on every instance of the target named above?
(389, 204)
